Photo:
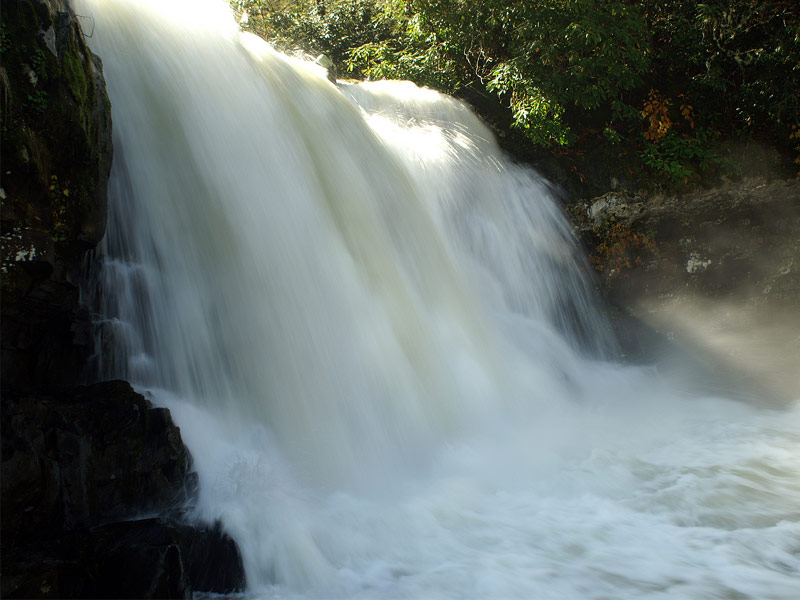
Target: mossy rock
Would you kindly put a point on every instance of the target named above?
(56, 127)
(56, 131)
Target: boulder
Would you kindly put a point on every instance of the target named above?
(81, 472)
(88, 456)
(144, 558)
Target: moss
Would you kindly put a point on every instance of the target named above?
(55, 129)
(20, 17)
(74, 68)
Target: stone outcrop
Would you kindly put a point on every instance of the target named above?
(147, 558)
(716, 271)
(57, 154)
(83, 470)
(88, 456)
(96, 482)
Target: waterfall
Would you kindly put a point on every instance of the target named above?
(378, 338)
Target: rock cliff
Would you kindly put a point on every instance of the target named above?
(56, 160)
(713, 273)
(95, 480)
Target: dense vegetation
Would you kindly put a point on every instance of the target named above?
(658, 88)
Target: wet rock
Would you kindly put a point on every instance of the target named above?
(213, 560)
(57, 152)
(79, 470)
(56, 126)
(135, 559)
(145, 558)
(92, 455)
(716, 270)
(741, 237)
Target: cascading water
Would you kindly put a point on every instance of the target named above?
(377, 339)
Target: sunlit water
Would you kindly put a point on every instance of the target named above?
(377, 338)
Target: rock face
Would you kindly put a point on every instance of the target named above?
(56, 124)
(80, 468)
(715, 270)
(85, 457)
(147, 558)
(96, 482)
(56, 160)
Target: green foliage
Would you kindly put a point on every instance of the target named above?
(5, 42)
(551, 60)
(739, 60)
(664, 79)
(332, 28)
(675, 155)
(532, 109)
(38, 58)
(425, 60)
(37, 100)
(568, 61)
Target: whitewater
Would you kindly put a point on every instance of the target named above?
(379, 339)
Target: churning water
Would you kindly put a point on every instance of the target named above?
(377, 338)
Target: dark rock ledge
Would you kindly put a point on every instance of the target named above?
(96, 482)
